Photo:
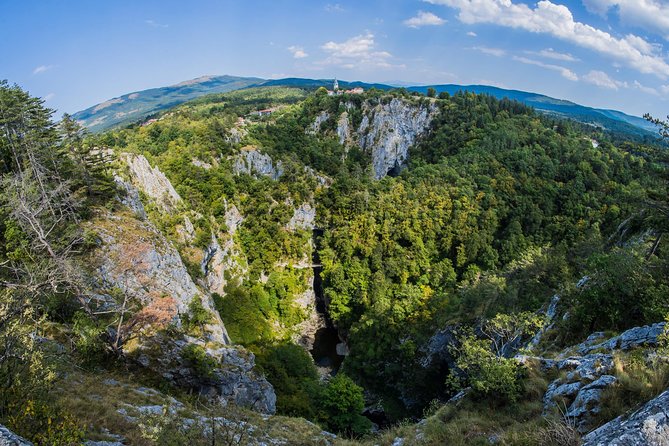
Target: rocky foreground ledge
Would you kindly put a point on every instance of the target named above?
(648, 426)
(9, 438)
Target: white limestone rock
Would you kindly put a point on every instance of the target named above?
(151, 181)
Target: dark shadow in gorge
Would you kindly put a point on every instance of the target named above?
(324, 351)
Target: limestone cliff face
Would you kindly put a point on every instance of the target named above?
(151, 181)
(344, 129)
(251, 161)
(388, 130)
(136, 269)
(136, 259)
(224, 256)
(303, 217)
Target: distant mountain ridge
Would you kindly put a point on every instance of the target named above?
(135, 106)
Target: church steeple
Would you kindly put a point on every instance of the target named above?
(335, 87)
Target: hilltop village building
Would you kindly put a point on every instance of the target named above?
(337, 92)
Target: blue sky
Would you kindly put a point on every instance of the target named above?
(602, 53)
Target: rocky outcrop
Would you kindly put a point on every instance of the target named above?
(550, 313)
(9, 438)
(343, 129)
(578, 393)
(134, 258)
(151, 181)
(647, 426)
(223, 259)
(437, 352)
(305, 332)
(129, 197)
(320, 119)
(203, 164)
(321, 179)
(646, 336)
(587, 373)
(252, 161)
(186, 232)
(388, 130)
(303, 217)
(229, 377)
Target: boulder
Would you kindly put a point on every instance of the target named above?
(588, 402)
(634, 337)
(9, 438)
(647, 426)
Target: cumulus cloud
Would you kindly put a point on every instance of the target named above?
(550, 53)
(357, 51)
(664, 89)
(650, 15)
(564, 72)
(298, 52)
(601, 79)
(558, 21)
(42, 69)
(497, 52)
(424, 19)
(471, 34)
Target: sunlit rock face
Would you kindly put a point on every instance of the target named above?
(389, 130)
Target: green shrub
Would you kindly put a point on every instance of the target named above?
(197, 316)
(90, 346)
(203, 364)
(341, 406)
(486, 373)
(292, 373)
(44, 424)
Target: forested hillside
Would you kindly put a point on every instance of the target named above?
(355, 260)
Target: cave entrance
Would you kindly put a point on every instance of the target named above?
(395, 170)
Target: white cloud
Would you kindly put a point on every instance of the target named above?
(564, 72)
(154, 24)
(665, 89)
(601, 79)
(42, 69)
(49, 96)
(471, 34)
(550, 53)
(424, 19)
(334, 8)
(497, 52)
(298, 52)
(356, 52)
(558, 21)
(645, 89)
(651, 15)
